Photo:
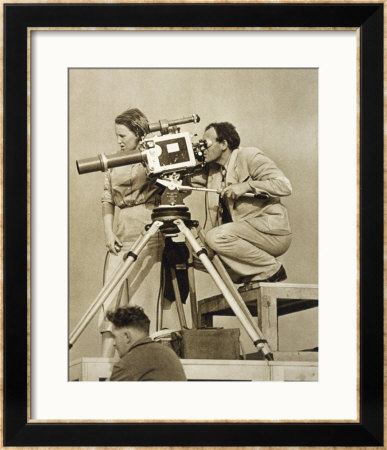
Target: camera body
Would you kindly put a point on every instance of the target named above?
(172, 152)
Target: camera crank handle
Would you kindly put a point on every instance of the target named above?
(172, 185)
(261, 195)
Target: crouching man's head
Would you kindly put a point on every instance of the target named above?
(130, 324)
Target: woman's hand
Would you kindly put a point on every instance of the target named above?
(113, 244)
(235, 191)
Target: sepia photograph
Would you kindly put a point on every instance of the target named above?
(193, 224)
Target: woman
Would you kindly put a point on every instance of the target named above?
(129, 189)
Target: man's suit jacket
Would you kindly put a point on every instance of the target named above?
(250, 165)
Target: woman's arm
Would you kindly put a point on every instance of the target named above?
(113, 244)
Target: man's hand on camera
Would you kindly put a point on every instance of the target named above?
(113, 244)
(235, 191)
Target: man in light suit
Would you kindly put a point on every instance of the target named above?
(247, 233)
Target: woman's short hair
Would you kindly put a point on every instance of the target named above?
(226, 131)
(135, 120)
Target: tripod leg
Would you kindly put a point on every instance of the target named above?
(118, 276)
(192, 291)
(217, 262)
(228, 281)
(179, 304)
(257, 337)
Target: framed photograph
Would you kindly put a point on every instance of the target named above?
(302, 82)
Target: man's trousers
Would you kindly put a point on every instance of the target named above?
(247, 251)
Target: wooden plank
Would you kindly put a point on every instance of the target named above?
(289, 285)
(294, 373)
(287, 291)
(302, 298)
(285, 306)
(91, 369)
(213, 304)
(295, 356)
(215, 370)
(218, 305)
(285, 356)
(95, 369)
(268, 319)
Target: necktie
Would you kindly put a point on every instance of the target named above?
(223, 209)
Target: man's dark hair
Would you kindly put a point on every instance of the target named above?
(129, 316)
(226, 131)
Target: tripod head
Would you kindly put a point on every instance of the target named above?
(172, 206)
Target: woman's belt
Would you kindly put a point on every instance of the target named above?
(131, 203)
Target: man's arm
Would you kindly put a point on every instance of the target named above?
(266, 176)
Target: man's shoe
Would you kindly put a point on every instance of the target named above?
(280, 275)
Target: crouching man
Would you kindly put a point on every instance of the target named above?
(141, 358)
(247, 233)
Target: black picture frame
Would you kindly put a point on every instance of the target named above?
(368, 18)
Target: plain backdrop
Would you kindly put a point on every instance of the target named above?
(275, 110)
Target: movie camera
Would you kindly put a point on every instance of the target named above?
(171, 152)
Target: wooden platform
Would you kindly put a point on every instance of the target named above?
(267, 301)
(99, 369)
